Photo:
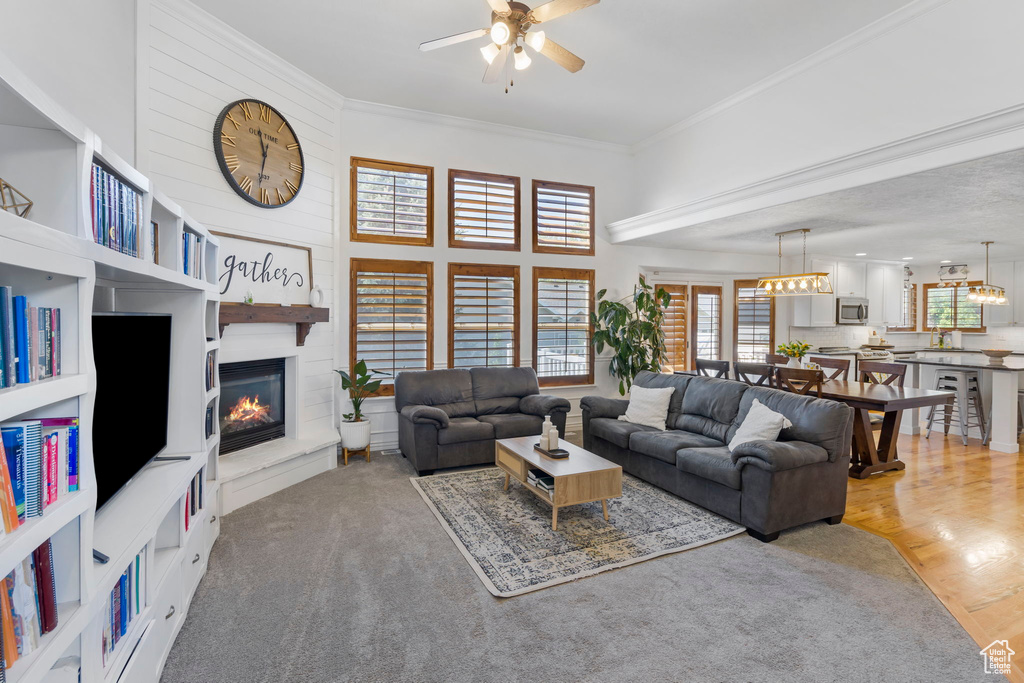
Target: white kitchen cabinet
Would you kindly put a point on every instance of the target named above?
(1017, 293)
(818, 310)
(1002, 274)
(884, 289)
(850, 278)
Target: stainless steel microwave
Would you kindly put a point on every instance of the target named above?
(851, 310)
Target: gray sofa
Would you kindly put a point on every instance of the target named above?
(767, 486)
(450, 418)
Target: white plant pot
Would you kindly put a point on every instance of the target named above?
(355, 436)
(795, 363)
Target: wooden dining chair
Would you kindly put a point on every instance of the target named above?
(877, 372)
(712, 368)
(839, 366)
(800, 380)
(775, 359)
(754, 374)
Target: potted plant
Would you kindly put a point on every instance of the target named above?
(631, 326)
(795, 351)
(355, 431)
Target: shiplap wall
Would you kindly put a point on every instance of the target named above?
(194, 69)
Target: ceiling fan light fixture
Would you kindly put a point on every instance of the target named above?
(536, 40)
(522, 60)
(500, 32)
(490, 51)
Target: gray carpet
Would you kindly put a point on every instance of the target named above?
(349, 577)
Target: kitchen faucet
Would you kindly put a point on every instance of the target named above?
(931, 337)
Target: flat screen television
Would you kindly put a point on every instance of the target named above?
(133, 364)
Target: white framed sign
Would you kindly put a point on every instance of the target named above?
(273, 273)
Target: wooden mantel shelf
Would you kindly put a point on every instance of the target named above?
(304, 317)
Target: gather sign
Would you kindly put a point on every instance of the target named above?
(273, 272)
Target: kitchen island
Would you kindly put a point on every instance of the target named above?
(1004, 380)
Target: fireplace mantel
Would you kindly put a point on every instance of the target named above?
(304, 317)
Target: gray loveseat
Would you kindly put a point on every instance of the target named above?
(450, 418)
(767, 486)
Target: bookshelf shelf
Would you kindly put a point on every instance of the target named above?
(71, 619)
(25, 398)
(19, 544)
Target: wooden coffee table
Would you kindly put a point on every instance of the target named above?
(583, 477)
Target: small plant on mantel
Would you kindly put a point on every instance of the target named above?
(632, 327)
(360, 385)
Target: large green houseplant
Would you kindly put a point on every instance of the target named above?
(632, 327)
(360, 385)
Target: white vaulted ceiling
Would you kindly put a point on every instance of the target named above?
(650, 63)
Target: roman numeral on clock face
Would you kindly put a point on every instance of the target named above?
(281, 126)
(265, 113)
(295, 167)
(245, 110)
(226, 139)
(264, 195)
(245, 183)
(231, 160)
(229, 117)
(291, 186)
(294, 145)
(280, 197)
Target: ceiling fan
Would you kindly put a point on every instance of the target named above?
(510, 22)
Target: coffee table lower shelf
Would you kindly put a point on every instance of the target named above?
(584, 479)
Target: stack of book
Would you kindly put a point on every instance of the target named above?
(210, 371)
(195, 499)
(116, 213)
(542, 480)
(191, 252)
(28, 605)
(29, 340)
(38, 466)
(127, 600)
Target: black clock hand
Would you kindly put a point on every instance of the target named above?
(265, 149)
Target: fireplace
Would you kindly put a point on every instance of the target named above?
(252, 406)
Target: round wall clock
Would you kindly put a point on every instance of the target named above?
(258, 153)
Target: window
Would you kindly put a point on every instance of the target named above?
(483, 316)
(707, 322)
(392, 202)
(563, 218)
(754, 328)
(563, 299)
(908, 311)
(392, 316)
(949, 308)
(483, 210)
(674, 327)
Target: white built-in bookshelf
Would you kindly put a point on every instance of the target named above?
(50, 256)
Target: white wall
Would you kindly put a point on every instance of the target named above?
(193, 68)
(83, 55)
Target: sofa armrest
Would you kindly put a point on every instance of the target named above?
(599, 406)
(775, 456)
(542, 404)
(426, 415)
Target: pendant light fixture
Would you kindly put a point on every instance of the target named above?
(795, 285)
(985, 293)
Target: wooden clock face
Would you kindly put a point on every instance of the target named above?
(258, 153)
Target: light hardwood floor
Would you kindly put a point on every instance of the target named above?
(956, 514)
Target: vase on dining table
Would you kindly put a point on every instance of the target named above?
(795, 362)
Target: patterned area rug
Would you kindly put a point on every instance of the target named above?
(507, 538)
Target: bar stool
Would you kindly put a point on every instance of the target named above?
(968, 407)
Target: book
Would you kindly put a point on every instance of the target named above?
(14, 445)
(7, 335)
(50, 452)
(8, 507)
(7, 625)
(34, 493)
(116, 208)
(21, 340)
(46, 586)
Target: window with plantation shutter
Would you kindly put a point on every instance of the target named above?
(754, 328)
(563, 218)
(483, 210)
(392, 316)
(563, 299)
(391, 202)
(674, 327)
(483, 315)
(706, 336)
(948, 308)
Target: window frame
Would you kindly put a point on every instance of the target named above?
(587, 274)
(911, 309)
(685, 289)
(455, 243)
(355, 163)
(548, 249)
(695, 291)
(484, 270)
(928, 286)
(394, 266)
(749, 284)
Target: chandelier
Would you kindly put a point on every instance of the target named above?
(794, 285)
(953, 275)
(986, 293)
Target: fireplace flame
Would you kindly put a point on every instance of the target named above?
(249, 411)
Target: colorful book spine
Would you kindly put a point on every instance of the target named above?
(7, 336)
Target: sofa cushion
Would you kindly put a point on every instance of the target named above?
(648, 406)
(449, 390)
(665, 445)
(498, 390)
(614, 431)
(462, 429)
(710, 406)
(713, 464)
(658, 380)
(815, 420)
(513, 424)
(761, 423)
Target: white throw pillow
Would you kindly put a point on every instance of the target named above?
(761, 424)
(648, 406)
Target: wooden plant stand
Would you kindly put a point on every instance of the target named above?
(350, 451)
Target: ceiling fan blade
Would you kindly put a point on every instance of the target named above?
(499, 6)
(452, 40)
(559, 8)
(560, 56)
(495, 68)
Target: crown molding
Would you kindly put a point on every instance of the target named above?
(993, 133)
(848, 43)
(432, 118)
(209, 25)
